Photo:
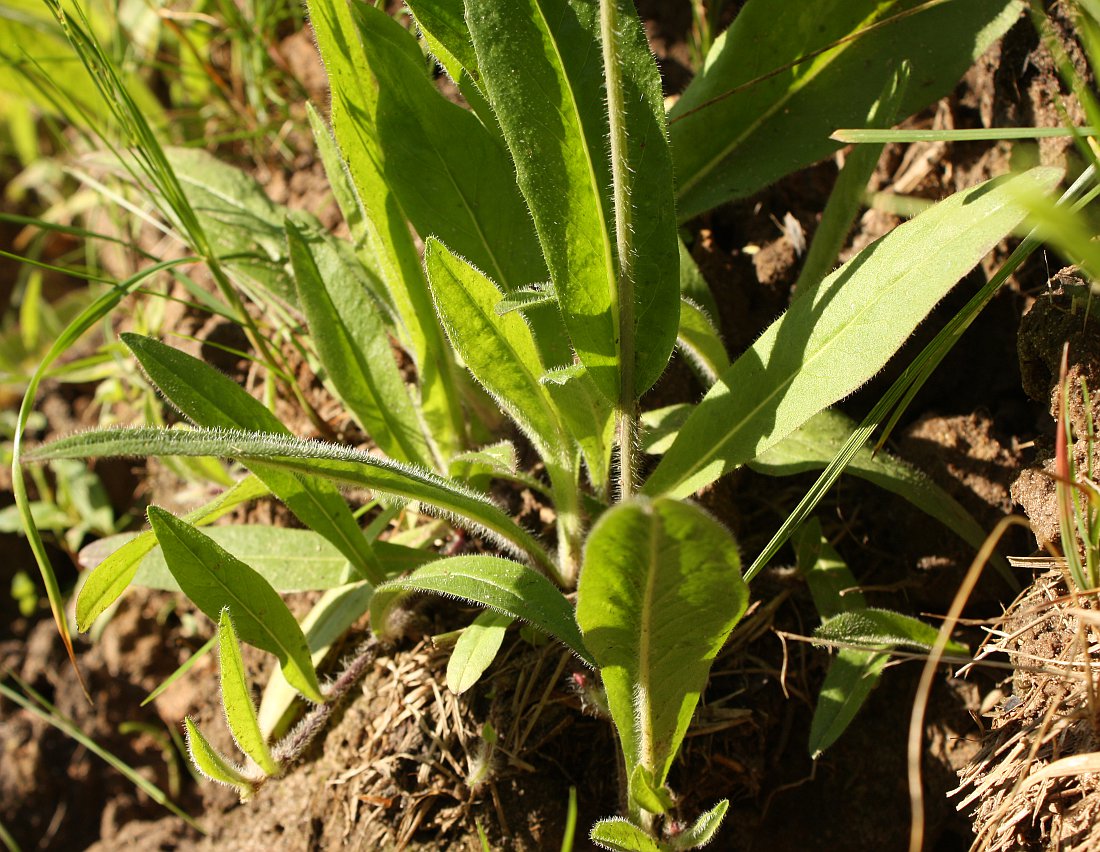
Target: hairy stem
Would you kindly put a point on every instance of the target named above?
(620, 177)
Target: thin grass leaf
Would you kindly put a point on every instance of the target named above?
(213, 764)
(88, 317)
(213, 579)
(240, 712)
(476, 649)
(49, 714)
(352, 343)
(499, 584)
(881, 136)
(184, 668)
(211, 399)
(312, 458)
(821, 349)
(659, 592)
(112, 576)
(814, 444)
(782, 78)
(536, 50)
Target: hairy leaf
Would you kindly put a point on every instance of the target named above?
(114, 573)
(702, 831)
(213, 579)
(476, 649)
(500, 351)
(882, 628)
(837, 335)
(312, 458)
(240, 712)
(699, 340)
(659, 592)
(390, 243)
(620, 835)
(327, 622)
(211, 763)
(351, 340)
(499, 584)
(784, 76)
(213, 400)
(814, 444)
(540, 63)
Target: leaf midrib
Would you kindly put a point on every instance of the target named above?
(815, 70)
(826, 344)
(593, 183)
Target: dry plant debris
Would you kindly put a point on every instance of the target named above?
(1035, 784)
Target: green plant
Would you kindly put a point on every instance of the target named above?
(551, 271)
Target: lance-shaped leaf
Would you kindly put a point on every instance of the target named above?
(312, 458)
(852, 673)
(111, 577)
(659, 592)
(702, 831)
(588, 416)
(240, 712)
(213, 764)
(476, 649)
(500, 351)
(353, 346)
(621, 835)
(541, 64)
(390, 242)
(329, 620)
(882, 628)
(837, 335)
(443, 26)
(212, 399)
(499, 584)
(786, 75)
(699, 340)
(213, 579)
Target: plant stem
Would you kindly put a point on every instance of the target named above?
(570, 520)
(624, 301)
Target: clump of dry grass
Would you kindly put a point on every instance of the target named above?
(1035, 783)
